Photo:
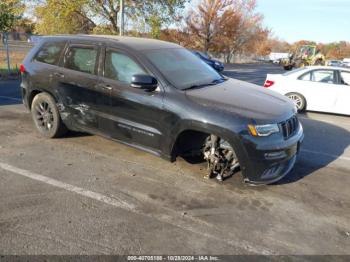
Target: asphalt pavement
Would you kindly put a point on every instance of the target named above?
(83, 194)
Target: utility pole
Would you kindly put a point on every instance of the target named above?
(121, 28)
(6, 43)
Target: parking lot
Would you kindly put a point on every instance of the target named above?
(83, 194)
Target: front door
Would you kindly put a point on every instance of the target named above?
(135, 115)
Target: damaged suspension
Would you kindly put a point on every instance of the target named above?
(220, 157)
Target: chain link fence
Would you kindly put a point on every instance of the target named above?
(13, 49)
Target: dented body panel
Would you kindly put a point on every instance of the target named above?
(154, 121)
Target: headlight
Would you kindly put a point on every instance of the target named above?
(217, 63)
(263, 130)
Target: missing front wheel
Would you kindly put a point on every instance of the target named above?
(221, 158)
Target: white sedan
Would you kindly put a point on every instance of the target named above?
(315, 88)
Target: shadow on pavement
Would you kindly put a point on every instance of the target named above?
(10, 92)
(323, 144)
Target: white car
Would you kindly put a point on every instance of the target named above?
(315, 88)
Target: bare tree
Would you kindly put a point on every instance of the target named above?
(206, 22)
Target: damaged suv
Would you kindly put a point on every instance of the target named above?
(159, 97)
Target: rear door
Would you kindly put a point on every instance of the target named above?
(135, 116)
(343, 98)
(76, 82)
(320, 89)
(44, 64)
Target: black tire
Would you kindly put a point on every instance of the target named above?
(300, 63)
(299, 101)
(46, 116)
(319, 62)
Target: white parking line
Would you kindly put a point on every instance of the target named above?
(326, 154)
(189, 223)
(78, 190)
(11, 98)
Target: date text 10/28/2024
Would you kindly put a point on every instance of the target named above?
(173, 258)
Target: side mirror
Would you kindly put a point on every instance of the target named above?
(144, 82)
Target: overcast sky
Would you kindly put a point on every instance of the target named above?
(317, 20)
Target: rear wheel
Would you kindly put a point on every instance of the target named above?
(298, 100)
(46, 116)
(288, 67)
(319, 62)
(300, 63)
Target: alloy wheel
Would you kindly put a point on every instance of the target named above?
(44, 116)
(298, 101)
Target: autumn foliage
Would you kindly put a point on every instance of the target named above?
(227, 27)
(233, 27)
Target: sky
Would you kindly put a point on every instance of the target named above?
(317, 20)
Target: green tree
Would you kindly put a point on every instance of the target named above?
(155, 14)
(67, 16)
(62, 16)
(10, 11)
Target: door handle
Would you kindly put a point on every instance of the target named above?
(104, 86)
(108, 87)
(60, 75)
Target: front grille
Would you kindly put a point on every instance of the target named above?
(289, 127)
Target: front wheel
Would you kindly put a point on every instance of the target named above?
(298, 100)
(46, 116)
(220, 156)
(288, 67)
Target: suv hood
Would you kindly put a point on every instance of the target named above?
(245, 100)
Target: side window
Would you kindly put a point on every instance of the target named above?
(50, 53)
(120, 67)
(305, 77)
(82, 59)
(345, 78)
(323, 76)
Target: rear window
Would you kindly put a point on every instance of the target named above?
(81, 59)
(323, 76)
(50, 53)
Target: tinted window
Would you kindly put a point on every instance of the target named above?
(305, 77)
(121, 67)
(50, 53)
(323, 76)
(81, 59)
(345, 78)
(181, 67)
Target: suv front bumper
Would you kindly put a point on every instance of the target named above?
(266, 164)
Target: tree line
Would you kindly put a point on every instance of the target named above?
(226, 27)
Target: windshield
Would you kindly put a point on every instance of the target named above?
(182, 68)
(203, 54)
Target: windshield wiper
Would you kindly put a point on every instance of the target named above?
(212, 83)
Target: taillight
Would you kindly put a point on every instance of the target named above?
(268, 83)
(22, 68)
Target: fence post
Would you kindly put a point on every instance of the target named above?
(5, 40)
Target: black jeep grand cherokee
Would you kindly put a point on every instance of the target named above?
(161, 98)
